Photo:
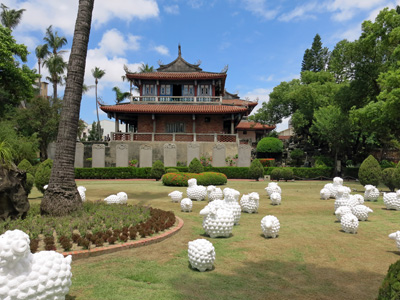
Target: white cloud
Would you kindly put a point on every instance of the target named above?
(300, 13)
(172, 9)
(266, 79)
(196, 3)
(114, 42)
(259, 8)
(162, 50)
(350, 34)
(344, 10)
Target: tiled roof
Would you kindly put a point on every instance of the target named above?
(172, 109)
(239, 102)
(244, 125)
(176, 75)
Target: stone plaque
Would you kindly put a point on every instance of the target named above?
(121, 155)
(219, 155)
(79, 151)
(98, 155)
(244, 156)
(169, 155)
(193, 151)
(146, 156)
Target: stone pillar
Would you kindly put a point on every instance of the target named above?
(51, 150)
(193, 151)
(244, 156)
(79, 153)
(145, 156)
(116, 123)
(121, 155)
(219, 155)
(98, 155)
(169, 155)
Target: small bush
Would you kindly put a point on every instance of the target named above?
(388, 178)
(270, 145)
(26, 166)
(42, 175)
(206, 178)
(158, 170)
(195, 166)
(370, 171)
(256, 170)
(171, 170)
(390, 288)
(297, 156)
(276, 174)
(286, 174)
(29, 182)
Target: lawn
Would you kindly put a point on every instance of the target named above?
(311, 259)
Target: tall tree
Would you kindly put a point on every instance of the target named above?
(10, 18)
(315, 59)
(54, 41)
(56, 66)
(145, 68)
(97, 74)
(61, 196)
(120, 96)
(41, 52)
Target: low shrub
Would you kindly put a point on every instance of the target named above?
(276, 174)
(267, 162)
(390, 288)
(195, 166)
(388, 178)
(256, 170)
(231, 172)
(387, 164)
(158, 170)
(42, 175)
(26, 166)
(206, 178)
(171, 170)
(286, 174)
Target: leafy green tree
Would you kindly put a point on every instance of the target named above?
(269, 147)
(145, 68)
(16, 82)
(41, 52)
(120, 96)
(97, 74)
(297, 156)
(54, 41)
(256, 170)
(10, 18)
(315, 59)
(370, 171)
(195, 166)
(94, 133)
(42, 175)
(81, 129)
(388, 178)
(56, 66)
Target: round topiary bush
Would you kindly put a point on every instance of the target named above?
(286, 174)
(29, 183)
(42, 175)
(171, 170)
(370, 172)
(390, 288)
(388, 178)
(276, 174)
(26, 166)
(256, 170)
(270, 147)
(206, 178)
(195, 166)
(157, 170)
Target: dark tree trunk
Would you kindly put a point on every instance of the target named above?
(62, 197)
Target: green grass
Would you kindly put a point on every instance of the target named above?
(311, 259)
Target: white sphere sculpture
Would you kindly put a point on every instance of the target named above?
(276, 198)
(273, 187)
(396, 236)
(123, 197)
(201, 254)
(349, 223)
(186, 205)
(371, 193)
(361, 212)
(194, 191)
(325, 194)
(359, 198)
(231, 201)
(44, 275)
(250, 203)
(270, 226)
(392, 200)
(82, 190)
(341, 211)
(214, 193)
(120, 198)
(176, 196)
(218, 220)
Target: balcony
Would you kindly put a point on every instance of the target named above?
(174, 137)
(177, 99)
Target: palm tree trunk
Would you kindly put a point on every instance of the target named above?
(61, 196)
(97, 111)
(55, 90)
(40, 79)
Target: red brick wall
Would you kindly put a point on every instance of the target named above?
(145, 123)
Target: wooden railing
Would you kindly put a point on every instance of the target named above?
(174, 137)
(177, 99)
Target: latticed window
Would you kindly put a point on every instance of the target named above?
(175, 127)
(165, 89)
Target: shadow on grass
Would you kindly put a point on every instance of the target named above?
(270, 279)
(68, 297)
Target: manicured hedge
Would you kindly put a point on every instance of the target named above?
(306, 173)
(112, 173)
(206, 178)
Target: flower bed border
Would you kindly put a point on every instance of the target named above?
(79, 254)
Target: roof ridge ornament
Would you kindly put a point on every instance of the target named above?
(179, 50)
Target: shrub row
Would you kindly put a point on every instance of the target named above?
(112, 173)
(305, 173)
(206, 178)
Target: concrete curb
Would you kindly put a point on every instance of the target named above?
(133, 244)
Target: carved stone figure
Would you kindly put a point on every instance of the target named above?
(361, 212)
(270, 226)
(396, 236)
(186, 205)
(392, 200)
(201, 254)
(273, 187)
(194, 191)
(276, 198)
(214, 193)
(120, 198)
(176, 196)
(218, 220)
(371, 193)
(349, 223)
(250, 203)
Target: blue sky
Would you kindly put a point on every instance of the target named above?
(261, 41)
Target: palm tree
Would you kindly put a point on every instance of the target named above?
(97, 74)
(61, 196)
(54, 41)
(10, 18)
(145, 68)
(120, 96)
(41, 52)
(56, 66)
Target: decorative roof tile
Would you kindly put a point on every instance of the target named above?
(176, 75)
(245, 125)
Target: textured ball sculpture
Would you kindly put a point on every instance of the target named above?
(176, 196)
(218, 220)
(273, 187)
(120, 198)
(194, 191)
(201, 254)
(325, 194)
(123, 197)
(371, 193)
(359, 198)
(186, 205)
(342, 197)
(250, 203)
(392, 200)
(231, 201)
(361, 212)
(276, 198)
(396, 236)
(270, 226)
(341, 211)
(214, 193)
(333, 187)
(82, 190)
(25, 276)
(349, 223)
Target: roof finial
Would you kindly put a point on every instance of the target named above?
(179, 50)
